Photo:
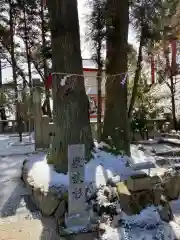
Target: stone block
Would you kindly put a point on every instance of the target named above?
(45, 131)
(157, 192)
(124, 197)
(134, 202)
(49, 203)
(140, 200)
(46, 203)
(139, 183)
(172, 188)
(155, 180)
(165, 210)
(60, 211)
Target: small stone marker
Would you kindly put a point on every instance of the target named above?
(77, 216)
(76, 167)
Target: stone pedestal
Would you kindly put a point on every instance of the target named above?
(124, 197)
(45, 131)
(172, 188)
(139, 183)
(78, 222)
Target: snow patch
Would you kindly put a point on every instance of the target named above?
(145, 226)
(97, 171)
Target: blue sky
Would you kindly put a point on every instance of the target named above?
(83, 11)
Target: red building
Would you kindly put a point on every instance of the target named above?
(90, 73)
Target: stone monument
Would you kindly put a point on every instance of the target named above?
(77, 218)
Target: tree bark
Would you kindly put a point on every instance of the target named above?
(70, 102)
(116, 125)
(136, 77)
(0, 72)
(99, 104)
(172, 89)
(27, 50)
(99, 81)
(47, 93)
(13, 60)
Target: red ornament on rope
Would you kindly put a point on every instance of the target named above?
(152, 69)
(48, 82)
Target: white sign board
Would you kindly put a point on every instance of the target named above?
(76, 169)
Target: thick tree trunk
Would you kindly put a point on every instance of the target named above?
(136, 77)
(70, 102)
(116, 125)
(99, 92)
(99, 105)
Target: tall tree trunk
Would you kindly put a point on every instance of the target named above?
(0, 72)
(47, 93)
(116, 125)
(70, 102)
(13, 60)
(136, 77)
(172, 89)
(27, 50)
(99, 79)
(99, 104)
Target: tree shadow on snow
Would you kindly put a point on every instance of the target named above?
(19, 201)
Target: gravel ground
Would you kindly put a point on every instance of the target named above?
(19, 217)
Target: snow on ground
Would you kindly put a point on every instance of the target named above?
(12, 155)
(146, 226)
(97, 171)
(138, 156)
(19, 217)
(10, 145)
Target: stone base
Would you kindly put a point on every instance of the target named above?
(80, 221)
(172, 188)
(48, 203)
(92, 234)
(53, 204)
(139, 183)
(132, 202)
(82, 236)
(124, 197)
